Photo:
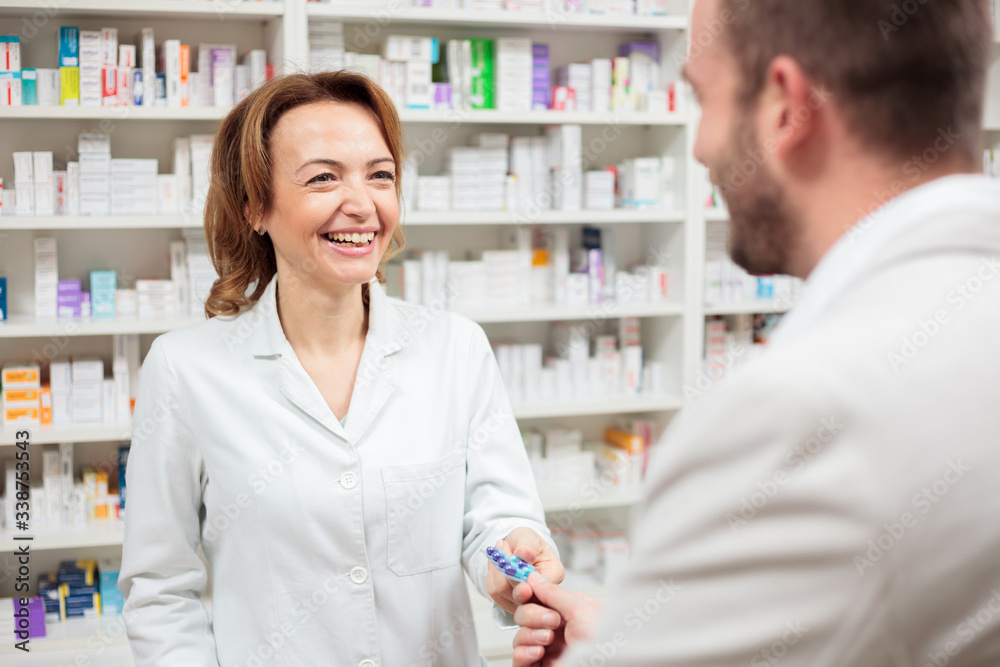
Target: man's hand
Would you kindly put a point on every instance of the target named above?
(529, 546)
(546, 631)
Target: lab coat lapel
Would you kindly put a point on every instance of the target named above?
(377, 377)
(296, 385)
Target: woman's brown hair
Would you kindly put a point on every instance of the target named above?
(241, 177)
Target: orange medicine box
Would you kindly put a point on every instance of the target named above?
(21, 376)
(29, 416)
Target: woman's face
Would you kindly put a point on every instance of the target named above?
(334, 205)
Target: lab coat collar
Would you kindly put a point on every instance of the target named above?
(375, 381)
(386, 332)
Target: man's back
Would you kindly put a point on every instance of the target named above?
(837, 502)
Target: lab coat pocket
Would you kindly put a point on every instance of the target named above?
(425, 506)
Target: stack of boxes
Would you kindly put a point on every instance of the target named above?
(134, 186)
(91, 79)
(34, 192)
(22, 395)
(11, 76)
(599, 190)
(479, 175)
(532, 178)
(565, 154)
(326, 45)
(157, 299)
(87, 390)
(514, 74)
(408, 66)
(434, 193)
(72, 591)
(69, 300)
(541, 77)
(95, 173)
(46, 278)
(578, 77)
(69, 66)
(481, 81)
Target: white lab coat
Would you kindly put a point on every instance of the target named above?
(328, 545)
(833, 505)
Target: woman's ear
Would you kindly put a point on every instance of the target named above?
(256, 222)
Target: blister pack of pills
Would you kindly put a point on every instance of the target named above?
(511, 567)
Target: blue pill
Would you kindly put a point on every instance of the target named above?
(511, 571)
(490, 551)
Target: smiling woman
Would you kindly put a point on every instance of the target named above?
(389, 454)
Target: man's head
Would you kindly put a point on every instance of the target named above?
(806, 101)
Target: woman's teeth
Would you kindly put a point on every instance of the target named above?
(351, 238)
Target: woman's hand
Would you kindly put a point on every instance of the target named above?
(547, 629)
(529, 546)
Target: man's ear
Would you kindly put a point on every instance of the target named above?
(791, 107)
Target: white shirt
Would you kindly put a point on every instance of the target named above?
(328, 544)
(835, 502)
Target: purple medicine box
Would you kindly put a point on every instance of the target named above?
(29, 620)
(442, 96)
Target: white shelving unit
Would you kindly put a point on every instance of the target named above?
(133, 245)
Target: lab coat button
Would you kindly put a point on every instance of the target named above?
(348, 480)
(366, 663)
(359, 575)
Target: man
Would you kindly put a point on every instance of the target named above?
(837, 501)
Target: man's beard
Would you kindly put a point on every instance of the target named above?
(762, 229)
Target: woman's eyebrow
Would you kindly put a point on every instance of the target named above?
(340, 165)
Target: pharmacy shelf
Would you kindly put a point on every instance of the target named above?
(89, 222)
(607, 406)
(564, 313)
(221, 10)
(493, 19)
(64, 642)
(97, 533)
(619, 216)
(53, 435)
(450, 118)
(54, 112)
(27, 326)
(612, 497)
(716, 215)
(454, 117)
(746, 308)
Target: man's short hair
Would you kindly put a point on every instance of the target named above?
(904, 72)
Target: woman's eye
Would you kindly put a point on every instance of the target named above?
(385, 175)
(321, 178)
